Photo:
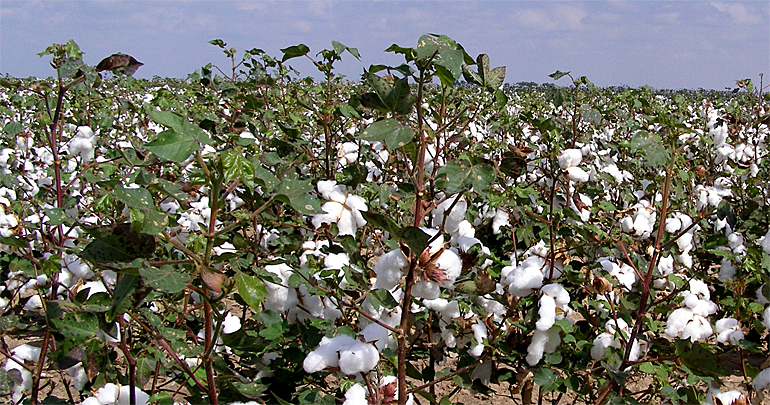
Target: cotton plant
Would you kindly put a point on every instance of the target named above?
(341, 208)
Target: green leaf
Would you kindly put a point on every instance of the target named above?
(122, 294)
(173, 146)
(414, 237)
(179, 124)
(297, 194)
(390, 132)
(700, 359)
(265, 177)
(294, 51)
(490, 78)
(558, 75)
(340, 48)
(464, 172)
(118, 243)
(251, 289)
(651, 146)
(167, 278)
(236, 166)
(134, 197)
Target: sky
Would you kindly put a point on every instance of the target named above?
(663, 44)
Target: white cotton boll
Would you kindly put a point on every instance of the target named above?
(502, 218)
(536, 347)
(479, 334)
(728, 330)
(34, 303)
(231, 324)
(347, 153)
(449, 337)
(734, 240)
(727, 270)
(762, 380)
(389, 270)
(355, 395)
(280, 298)
(761, 298)
(79, 376)
(379, 336)
(324, 356)
(570, 158)
(451, 220)
(124, 396)
(698, 329)
(677, 321)
(558, 292)
(764, 242)
(524, 280)
(359, 357)
(91, 401)
(673, 225)
(452, 265)
(546, 313)
(704, 307)
(685, 242)
(627, 224)
(426, 289)
(108, 395)
(601, 343)
(577, 175)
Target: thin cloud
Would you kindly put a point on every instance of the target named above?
(739, 13)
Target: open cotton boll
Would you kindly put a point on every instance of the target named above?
(347, 153)
(697, 329)
(479, 334)
(79, 376)
(764, 242)
(542, 342)
(453, 217)
(570, 158)
(359, 357)
(728, 330)
(762, 380)
(22, 354)
(389, 270)
(355, 395)
(231, 324)
(326, 355)
(546, 313)
(577, 175)
(522, 280)
(280, 298)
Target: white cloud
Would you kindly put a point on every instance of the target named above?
(547, 19)
(739, 13)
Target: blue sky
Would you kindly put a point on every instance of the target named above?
(665, 44)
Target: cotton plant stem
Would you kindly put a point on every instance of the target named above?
(647, 281)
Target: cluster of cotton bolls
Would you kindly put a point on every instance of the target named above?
(690, 321)
(569, 162)
(547, 336)
(642, 222)
(681, 224)
(350, 355)
(522, 279)
(611, 338)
